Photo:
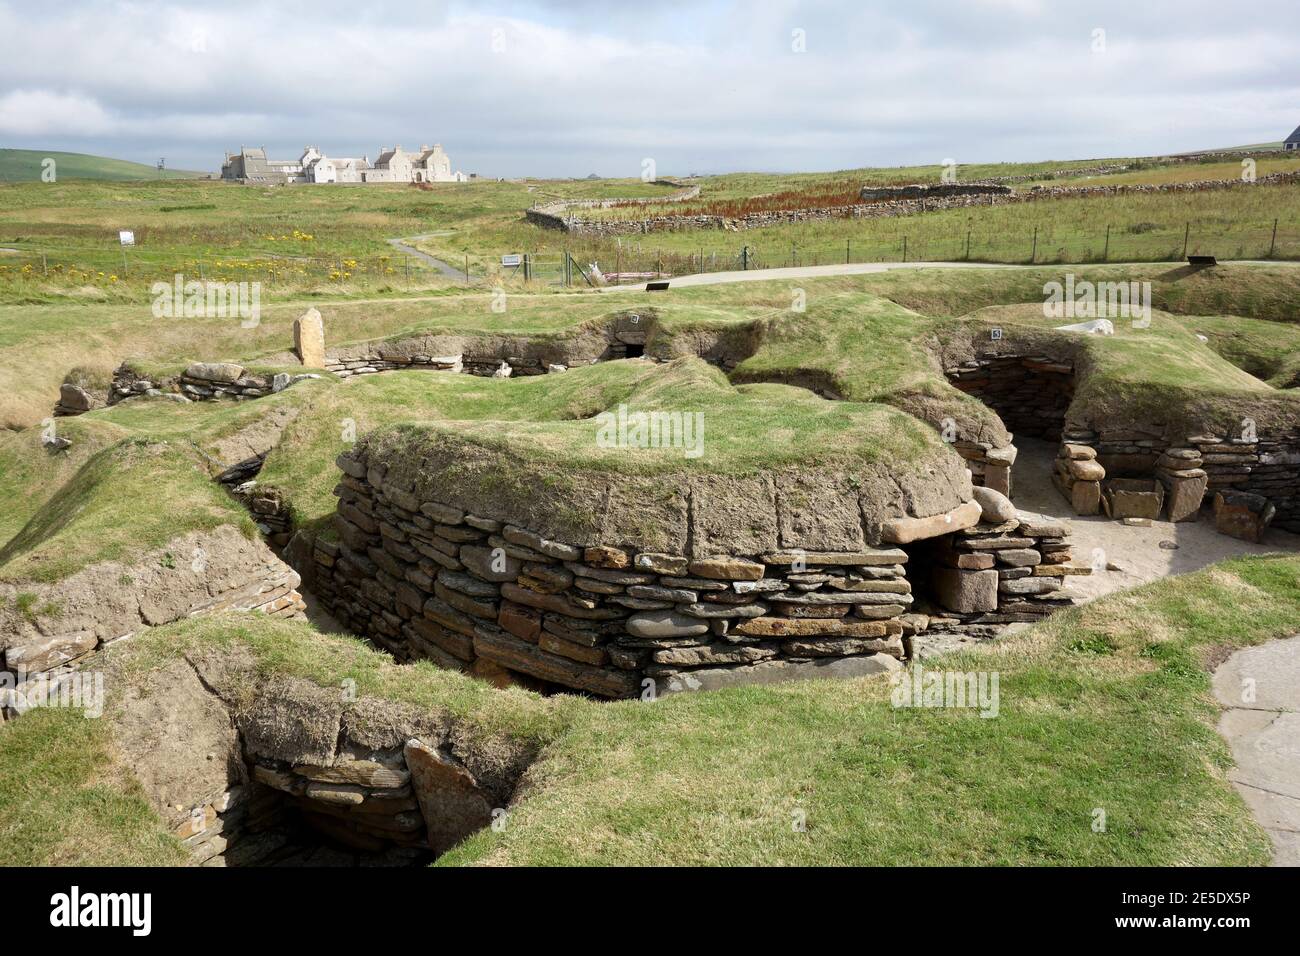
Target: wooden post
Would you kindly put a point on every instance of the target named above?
(1273, 245)
(744, 257)
(905, 248)
(1105, 253)
(45, 265)
(1186, 233)
(467, 269)
(1033, 254)
(968, 245)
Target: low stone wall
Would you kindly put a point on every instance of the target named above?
(200, 382)
(996, 574)
(555, 215)
(933, 191)
(426, 580)
(1268, 466)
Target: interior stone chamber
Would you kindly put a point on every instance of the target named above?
(1245, 477)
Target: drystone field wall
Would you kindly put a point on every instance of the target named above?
(427, 580)
(65, 622)
(984, 195)
(556, 215)
(933, 191)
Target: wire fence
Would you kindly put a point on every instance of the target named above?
(590, 262)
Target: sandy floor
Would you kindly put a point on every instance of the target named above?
(1136, 553)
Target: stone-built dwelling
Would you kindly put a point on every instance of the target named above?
(395, 165)
(250, 165)
(429, 165)
(1292, 141)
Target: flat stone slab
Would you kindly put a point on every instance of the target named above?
(1260, 687)
(776, 672)
(905, 530)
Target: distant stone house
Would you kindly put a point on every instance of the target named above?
(250, 165)
(334, 169)
(434, 166)
(429, 165)
(1292, 141)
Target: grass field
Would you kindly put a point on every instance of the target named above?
(59, 241)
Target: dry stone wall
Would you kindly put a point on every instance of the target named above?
(427, 580)
(927, 199)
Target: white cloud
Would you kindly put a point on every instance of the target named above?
(706, 86)
(44, 113)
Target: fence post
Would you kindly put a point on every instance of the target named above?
(847, 260)
(905, 248)
(1186, 233)
(467, 269)
(744, 257)
(528, 266)
(1273, 244)
(1033, 254)
(1105, 252)
(45, 265)
(968, 245)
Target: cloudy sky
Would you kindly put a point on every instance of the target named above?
(569, 88)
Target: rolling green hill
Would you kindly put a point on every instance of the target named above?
(24, 165)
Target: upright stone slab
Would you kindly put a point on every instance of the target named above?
(452, 802)
(966, 592)
(1185, 490)
(1240, 514)
(309, 339)
(998, 478)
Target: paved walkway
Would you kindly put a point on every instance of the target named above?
(866, 268)
(810, 272)
(1260, 687)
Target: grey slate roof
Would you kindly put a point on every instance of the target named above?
(1294, 137)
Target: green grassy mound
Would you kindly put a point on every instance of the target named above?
(25, 166)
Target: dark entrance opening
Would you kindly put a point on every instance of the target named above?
(1031, 394)
(635, 351)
